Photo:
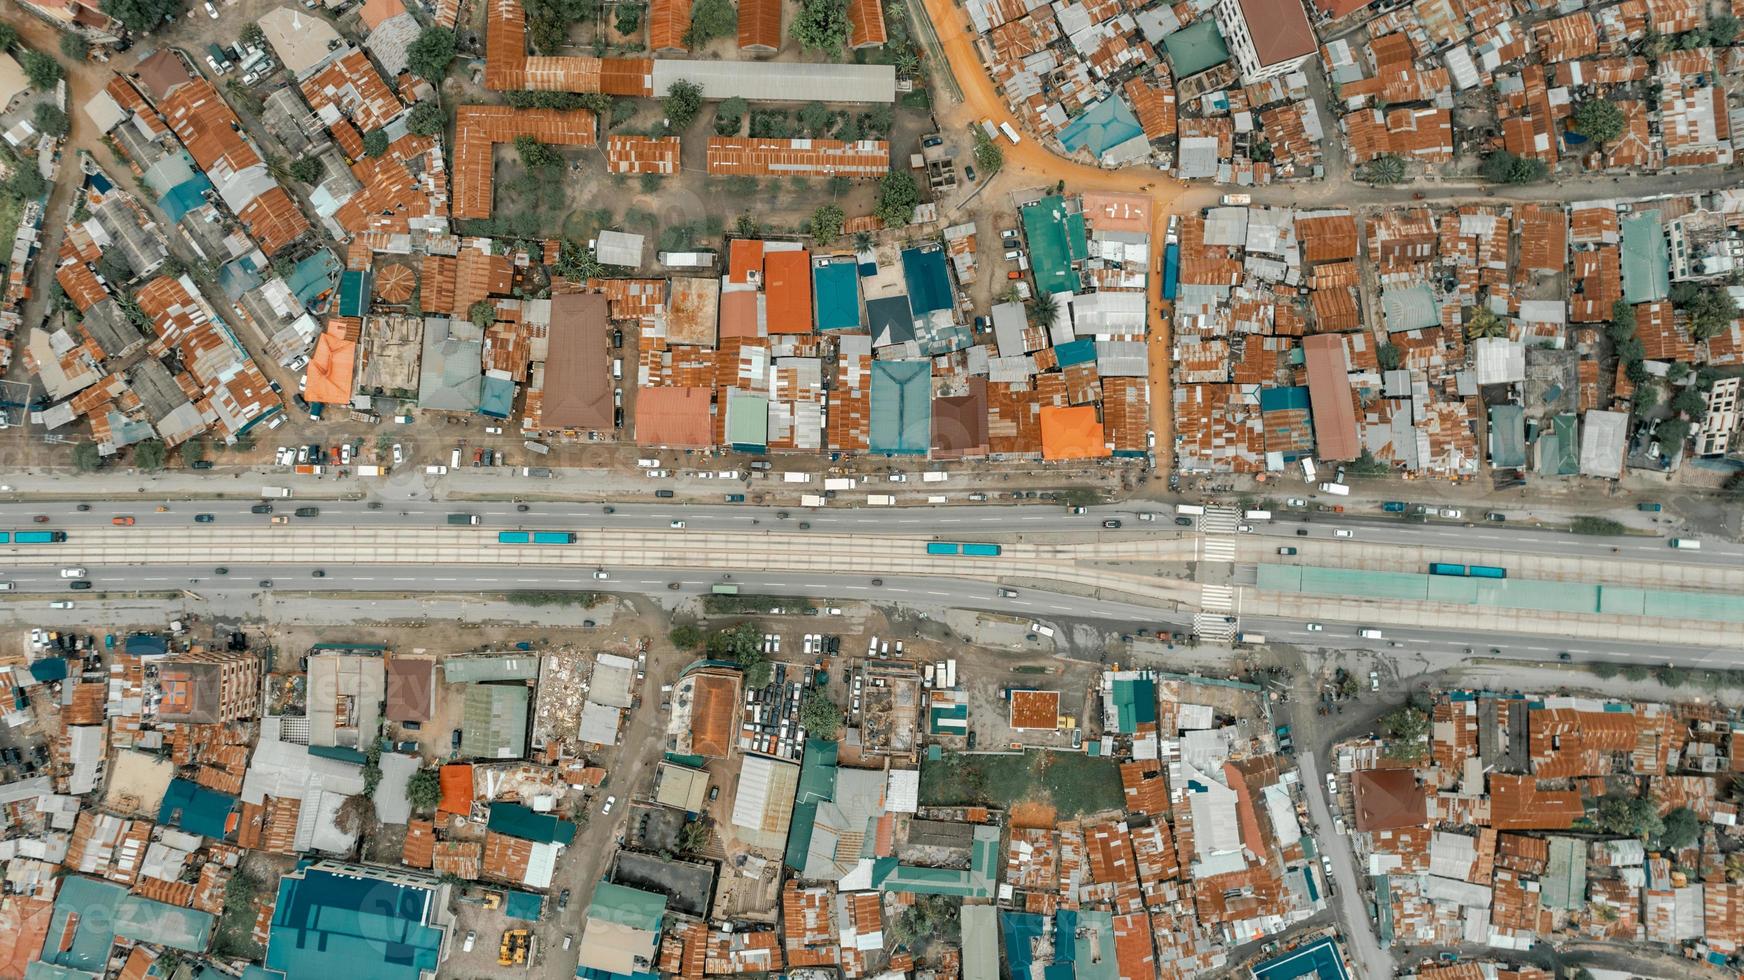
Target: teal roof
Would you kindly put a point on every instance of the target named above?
(835, 290)
(939, 715)
(1320, 960)
(1102, 127)
(508, 667)
(312, 276)
(1561, 455)
(516, 820)
(102, 911)
(1646, 259)
(817, 783)
(525, 905)
(196, 809)
(1510, 593)
(1507, 436)
(1056, 238)
(496, 397)
(976, 882)
(354, 292)
(328, 922)
(630, 907)
(1135, 703)
(1196, 47)
(929, 285)
(902, 407)
(1095, 933)
(184, 197)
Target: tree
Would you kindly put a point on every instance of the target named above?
(1644, 400)
(482, 313)
(897, 196)
(695, 836)
(1044, 308)
(826, 223)
(1502, 167)
(307, 169)
(356, 815)
(424, 789)
(42, 70)
(988, 156)
(252, 35)
(1722, 30)
(86, 457)
(75, 47)
(819, 716)
(878, 119)
(1599, 120)
(729, 116)
(1632, 816)
(26, 182)
(193, 451)
(710, 19)
(1710, 308)
(683, 101)
(1385, 169)
(536, 155)
(629, 18)
(930, 918)
(375, 143)
(1407, 729)
(863, 241)
(1672, 434)
(685, 636)
(1388, 356)
(8, 36)
(1484, 323)
(430, 53)
(575, 263)
(822, 25)
(1622, 322)
(149, 455)
(815, 118)
(141, 15)
(426, 119)
(1689, 402)
(50, 119)
(1733, 488)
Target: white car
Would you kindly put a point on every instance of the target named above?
(436, 469)
(471, 937)
(656, 474)
(1315, 627)
(345, 455)
(399, 454)
(1295, 502)
(677, 525)
(1374, 680)
(600, 573)
(72, 573)
(1244, 528)
(61, 604)
(1453, 513)
(494, 430)
(1342, 532)
(610, 800)
(211, 11)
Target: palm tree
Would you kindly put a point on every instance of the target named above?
(1385, 169)
(863, 241)
(1044, 308)
(1484, 323)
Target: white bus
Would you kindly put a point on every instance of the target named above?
(1336, 489)
(1189, 510)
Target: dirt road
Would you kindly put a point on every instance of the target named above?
(1030, 163)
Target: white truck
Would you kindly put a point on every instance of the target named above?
(880, 500)
(812, 500)
(934, 476)
(1336, 489)
(275, 493)
(839, 483)
(796, 478)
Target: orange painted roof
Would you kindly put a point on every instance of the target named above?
(1072, 432)
(456, 790)
(477, 128)
(331, 368)
(352, 87)
(787, 291)
(714, 715)
(374, 12)
(744, 259)
(677, 417)
(730, 155)
(420, 846)
(760, 24)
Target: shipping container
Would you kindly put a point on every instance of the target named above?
(536, 446)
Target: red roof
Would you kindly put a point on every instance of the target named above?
(676, 417)
(866, 23)
(1388, 799)
(477, 128)
(1279, 29)
(668, 21)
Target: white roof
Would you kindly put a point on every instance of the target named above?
(599, 723)
(619, 248)
(300, 39)
(903, 793)
(779, 81)
(104, 111)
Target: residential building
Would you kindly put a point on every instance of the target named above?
(1268, 38)
(209, 686)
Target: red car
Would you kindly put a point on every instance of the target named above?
(121, 521)
(40, 518)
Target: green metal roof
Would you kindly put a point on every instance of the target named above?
(196, 809)
(901, 405)
(1196, 47)
(976, 882)
(630, 907)
(817, 783)
(1056, 237)
(334, 922)
(508, 667)
(1135, 703)
(1511, 593)
(516, 820)
(1646, 259)
(494, 722)
(747, 421)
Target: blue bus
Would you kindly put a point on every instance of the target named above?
(1487, 571)
(512, 537)
(1442, 568)
(957, 548)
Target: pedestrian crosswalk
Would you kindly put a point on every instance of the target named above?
(1217, 531)
(1213, 627)
(1219, 547)
(1216, 598)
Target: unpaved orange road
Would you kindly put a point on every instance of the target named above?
(1040, 165)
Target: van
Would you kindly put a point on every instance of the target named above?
(454, 459)
(1369, 633)
(663, 494)
(1010, 133)
(617, 369)
(1308, 471)
(7, 586)
(1687, 544)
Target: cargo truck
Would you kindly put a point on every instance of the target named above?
(811, 500)
(463, 518)
(1654, 508)
(1336, 489)
(934, 476)
(275, 492)
(880, 500)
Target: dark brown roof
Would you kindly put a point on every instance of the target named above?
(1279, 29)
(162, 72)
(410, 689)
(1330, 396)
(578, 389)
(960, 423)
(1388, 799)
